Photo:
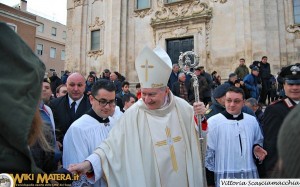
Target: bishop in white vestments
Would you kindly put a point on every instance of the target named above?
(155, 142)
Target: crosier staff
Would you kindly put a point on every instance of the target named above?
(185, 60)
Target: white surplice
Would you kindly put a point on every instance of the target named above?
(230, 144)
(151, 148)
(82, 138)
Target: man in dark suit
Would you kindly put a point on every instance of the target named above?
(70, 107)
(207, 91)
(114, 78)
(203, 85)
(181, 87)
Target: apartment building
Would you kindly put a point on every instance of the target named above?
(21, 22)
(50, 44)
(47, 38)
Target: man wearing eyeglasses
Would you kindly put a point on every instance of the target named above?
(276, 112)
(86, 133)
(155, 142)
(218, 102)
(233, 138)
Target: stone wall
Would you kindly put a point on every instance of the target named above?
(224, 31)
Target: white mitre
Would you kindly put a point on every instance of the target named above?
(153, 67)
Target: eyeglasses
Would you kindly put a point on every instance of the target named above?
(104, 102)
(234, 101)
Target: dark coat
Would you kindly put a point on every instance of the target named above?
(228, 82)
(251, 85)
(259, 115)
(55, 81)
(173, 78)
(265, 71)
(88, 87)
(61, 113)
(176, 88)
(202, 87)
(188, 78)
(272, 120)
(118, 86)
(119, 99)
(207, 92)
(64, 78)
(216, 82)
(44, 159)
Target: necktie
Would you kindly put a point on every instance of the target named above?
(73, 111)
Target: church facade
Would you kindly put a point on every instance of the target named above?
(109, 34)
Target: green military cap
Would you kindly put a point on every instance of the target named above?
(21, 78)
(221, 90)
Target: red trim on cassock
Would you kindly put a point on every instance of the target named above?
(203, 123)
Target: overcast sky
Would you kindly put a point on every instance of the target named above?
(55, 10)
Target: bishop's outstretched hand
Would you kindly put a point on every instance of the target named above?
(80, 168)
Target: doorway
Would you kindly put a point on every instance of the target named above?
(175, 46)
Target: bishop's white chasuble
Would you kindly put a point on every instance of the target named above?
(149, 148)
(169, 148)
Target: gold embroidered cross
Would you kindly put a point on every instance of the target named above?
(169, 141)
(146, 66)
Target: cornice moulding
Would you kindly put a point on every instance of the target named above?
(142, 13)
(95, 54)
(293, 28)
(97, 24)
(189, 13)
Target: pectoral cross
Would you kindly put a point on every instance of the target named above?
(170, 141)
(146, 66)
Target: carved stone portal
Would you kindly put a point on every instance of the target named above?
(181, 12)
(180, 31)
(180, 19)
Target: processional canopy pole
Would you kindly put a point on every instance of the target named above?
(191, 59)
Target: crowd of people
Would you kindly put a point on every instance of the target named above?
(268, 99)
(256, 81)
(96, 127)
